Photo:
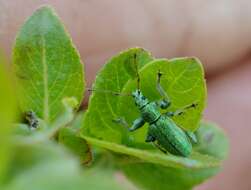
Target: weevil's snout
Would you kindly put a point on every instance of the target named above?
(139, 98)
(136, 93)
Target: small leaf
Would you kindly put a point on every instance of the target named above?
(66, 115)
(69, 138)
(103, 105)
(48, 67)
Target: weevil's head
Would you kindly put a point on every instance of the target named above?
(139, 98)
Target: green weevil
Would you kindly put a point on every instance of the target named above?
(162, 130)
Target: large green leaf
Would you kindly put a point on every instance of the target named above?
(47, 65)
(7, 116)
(183, 81)
(212, 141)
(103, 105)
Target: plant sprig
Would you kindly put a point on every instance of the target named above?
(50, 83)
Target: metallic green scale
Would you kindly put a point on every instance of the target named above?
(162, 128)
(170, 137)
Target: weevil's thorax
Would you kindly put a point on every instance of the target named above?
(149, 110)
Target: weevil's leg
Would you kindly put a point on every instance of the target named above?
(180, 111)
(150, 138)
(191, 136)
(121, 121)
(174, 113)
(165, 103)
(159, 147)
(137, 124)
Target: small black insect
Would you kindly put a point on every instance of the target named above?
(31, 119)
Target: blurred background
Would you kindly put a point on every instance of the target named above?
(217, 32)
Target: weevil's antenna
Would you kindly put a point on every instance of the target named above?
(136, 69)
(108, 91)
(159, 87)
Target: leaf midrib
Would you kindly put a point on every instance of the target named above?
(169, 161)
(45, 78)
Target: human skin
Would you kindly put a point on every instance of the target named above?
(217, 32)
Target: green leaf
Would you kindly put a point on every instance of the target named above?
(103, 105)
(152, 176)
(69, 137)
(7, 116)
(48, 67)
(66, 115)
(183, 80)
